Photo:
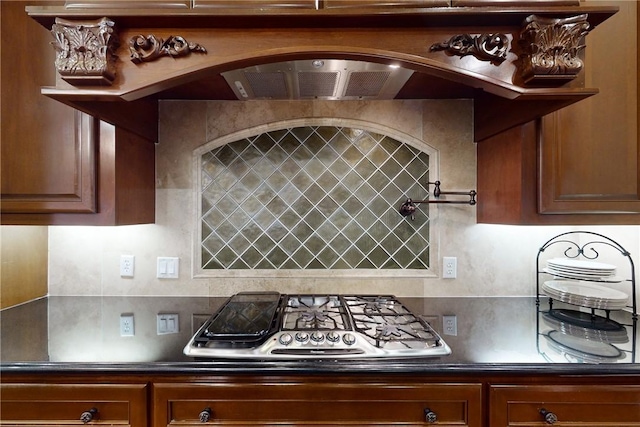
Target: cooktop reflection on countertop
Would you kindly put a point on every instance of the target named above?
(489, 331)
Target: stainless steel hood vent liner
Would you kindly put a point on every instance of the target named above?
(318, 79)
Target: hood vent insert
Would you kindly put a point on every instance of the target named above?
(319, 79)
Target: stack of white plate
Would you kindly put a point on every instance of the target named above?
(579, 269)
(585, 294)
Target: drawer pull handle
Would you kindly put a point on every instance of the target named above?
(549, 417)
(205, 415)
(88, 416)
(430, 416)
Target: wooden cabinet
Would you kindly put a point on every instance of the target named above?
(330, 4)
(39, 135)
(58, 165)
(589, 152)
(129, 4)
(330, 401)
(522, 3)
(581, 164)
(124, 180)
(163, 399)
(59, 404)
(579, 406)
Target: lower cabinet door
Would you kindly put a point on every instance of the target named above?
(73, 404)
(335, 403)
(564, 405)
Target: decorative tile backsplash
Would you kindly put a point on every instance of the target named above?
(320, 197)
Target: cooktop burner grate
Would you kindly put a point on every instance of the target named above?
(314, 312)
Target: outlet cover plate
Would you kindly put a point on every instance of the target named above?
(127, 327)
(168, 324)
(127, 265)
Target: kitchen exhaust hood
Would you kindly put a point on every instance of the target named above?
(517, 60)
(332, 79)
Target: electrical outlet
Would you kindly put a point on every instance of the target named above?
(449, 267)
(127, 328)
(127, 265)
(450, 324)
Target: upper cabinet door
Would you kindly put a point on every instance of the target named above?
(47, 147)
(590, 151)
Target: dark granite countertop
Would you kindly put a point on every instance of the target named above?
(501, 335)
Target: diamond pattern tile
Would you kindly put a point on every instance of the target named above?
(313, 198)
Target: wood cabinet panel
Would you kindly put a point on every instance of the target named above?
(330, 4)
(584, 405)
(520, 3)
(321, 403)
(255, 4)
(59, 404)
(48, 149)
(125, 180)
(590, 153)
(128, 4)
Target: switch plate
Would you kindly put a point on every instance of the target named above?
(168, 268)
(168, 324)
(450, 324)
(127, 328)
(449, 267)
(127, 265)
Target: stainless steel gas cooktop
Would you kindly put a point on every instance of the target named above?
(268, 325)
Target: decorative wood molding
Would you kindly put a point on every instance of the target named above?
(85, 51)
(150, 48)
(486, 47)
(551, 48)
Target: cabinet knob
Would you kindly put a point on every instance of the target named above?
(430, 416)
(549, 417)
(205, 415)
(88, 416)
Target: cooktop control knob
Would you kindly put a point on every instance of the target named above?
(302, 337)
(333, 336)
(285, 339)
(349, 339)
(317, 337)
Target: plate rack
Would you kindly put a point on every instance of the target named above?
(588, 251)
(588, 246)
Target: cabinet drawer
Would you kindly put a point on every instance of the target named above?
(63, 404)
(579, 405)
(319, 403)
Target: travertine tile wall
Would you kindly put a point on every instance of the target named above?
(492, 260)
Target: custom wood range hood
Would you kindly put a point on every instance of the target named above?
(518, 60)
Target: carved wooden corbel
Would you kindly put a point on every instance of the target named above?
(551, 48)
(85, 51)
(145, 49)
(486, 47)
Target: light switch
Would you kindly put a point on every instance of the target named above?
(168, 324)
(168, 268)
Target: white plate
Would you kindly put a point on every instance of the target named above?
(579, 271)
(581, 264)
(608, 279)
(588, 290)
